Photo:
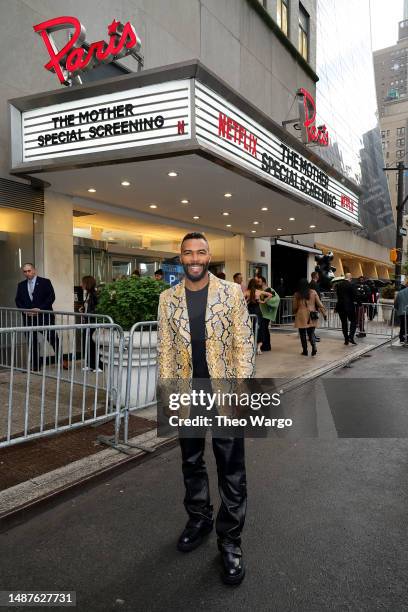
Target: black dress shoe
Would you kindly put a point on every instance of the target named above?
(194, 534)
(314, 351)
(346, 342)
(233, 569)
(352, 341)
(304, 353)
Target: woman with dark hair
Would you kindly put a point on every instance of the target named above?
(306, 308)
(89, 306)
(254, 297)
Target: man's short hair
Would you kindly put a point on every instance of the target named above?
(236, 275)
(193, 236)
(28, 263)
(159, 271)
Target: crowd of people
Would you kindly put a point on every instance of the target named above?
(355, 301)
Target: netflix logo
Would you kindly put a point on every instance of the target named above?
(347, 202)
(230, 129)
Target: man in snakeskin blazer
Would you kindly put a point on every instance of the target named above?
(204, 332)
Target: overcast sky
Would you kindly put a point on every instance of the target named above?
(385, 15)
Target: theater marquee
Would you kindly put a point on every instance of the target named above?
(154, 114)
(182, 109)
(232, 133)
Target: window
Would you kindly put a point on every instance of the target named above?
(388, 133)
(303, 32)
(265, 4)
(400, 154)
(283, 11)
(382, 133)
(387, 154)
(401, 131)
(401, 142)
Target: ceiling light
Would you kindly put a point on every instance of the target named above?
(226, 214)
(172, 173)
(278, 229)
(196, 217)
(312, 226)
(228, 225)
(253, 231)
(185, 201)
(92, 190)
(291, 218)
(152, 205)
(264, 208)
(125, 183)
(227, 195)
(256, 222)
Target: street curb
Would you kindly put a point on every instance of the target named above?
(41, 490)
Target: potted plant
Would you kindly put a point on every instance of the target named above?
(128, 301)
(387, 300)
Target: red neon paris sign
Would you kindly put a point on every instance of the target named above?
(318, 135)
(73, 58)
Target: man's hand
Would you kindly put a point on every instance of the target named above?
(32, 312)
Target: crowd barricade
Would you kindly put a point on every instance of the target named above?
(43, 396)
(11, 318)
(61, 376)
(375, 319)
(396, 330)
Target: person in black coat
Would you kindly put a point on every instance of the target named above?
(35, 294)
(346, 309)
(89, 306)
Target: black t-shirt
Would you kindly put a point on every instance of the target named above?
(196, 306)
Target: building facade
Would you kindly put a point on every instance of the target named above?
(391, 73)
(346, 101)
(202, 147)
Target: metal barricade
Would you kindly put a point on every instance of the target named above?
(11, 318)
(402, 322)
(284, 316)
(44, 397)
(140, 365)
(373, 319)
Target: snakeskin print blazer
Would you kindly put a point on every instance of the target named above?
(229, 337)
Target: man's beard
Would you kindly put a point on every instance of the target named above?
(197, 277)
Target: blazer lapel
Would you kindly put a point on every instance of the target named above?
(180, 314)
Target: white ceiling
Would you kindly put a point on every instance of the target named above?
(200, 181)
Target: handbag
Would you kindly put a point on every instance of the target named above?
(314, 315)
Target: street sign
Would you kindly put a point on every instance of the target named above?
(403, 231)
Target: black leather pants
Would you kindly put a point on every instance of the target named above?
(230, 458)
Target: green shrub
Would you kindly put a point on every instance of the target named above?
(388, 292)
(131, 300)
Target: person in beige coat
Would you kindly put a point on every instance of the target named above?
(306, 308)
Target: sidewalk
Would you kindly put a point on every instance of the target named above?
(35, 470)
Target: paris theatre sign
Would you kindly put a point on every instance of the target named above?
(307, 110)
(76, 55)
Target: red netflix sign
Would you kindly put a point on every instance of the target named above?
(311, 133)
(230, 129)
(347, 203)
(74, 58)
